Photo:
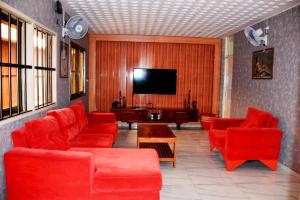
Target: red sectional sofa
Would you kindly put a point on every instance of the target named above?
(66, 128)
(59, 157)
(254, 138)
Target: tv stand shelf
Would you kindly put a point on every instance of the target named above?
(168, 115)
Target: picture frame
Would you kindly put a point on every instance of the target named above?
(64, 60)
(262, 64)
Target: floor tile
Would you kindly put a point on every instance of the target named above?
(201, 174)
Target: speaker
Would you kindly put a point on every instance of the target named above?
(58, 7)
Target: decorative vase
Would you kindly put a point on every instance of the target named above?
(205, 120)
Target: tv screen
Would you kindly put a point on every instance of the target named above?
(154, 81)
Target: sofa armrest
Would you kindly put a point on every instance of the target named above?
(224, 123)
(48, 174)
(98, 117)
(241, 143)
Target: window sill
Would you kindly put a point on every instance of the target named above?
(26, 114)
(41, 107)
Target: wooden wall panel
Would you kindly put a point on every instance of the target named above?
(115, 61)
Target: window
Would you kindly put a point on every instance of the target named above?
(43, 69)
(77, 71)
(13, 68)
(27, 64)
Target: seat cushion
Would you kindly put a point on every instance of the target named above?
(107, 128)
(43, 133)
(67, 122)
(81, 117)
(93, 141)
(126, 169)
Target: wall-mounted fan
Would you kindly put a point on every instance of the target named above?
(255, 36)
(76, 27)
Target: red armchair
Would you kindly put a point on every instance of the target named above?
(254, 138)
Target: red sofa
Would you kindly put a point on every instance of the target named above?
(62, 129)
(54, 159)
(254, 138)
(90, 123)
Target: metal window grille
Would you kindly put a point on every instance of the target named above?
(43, 68)
(77, 79)
(13, 67)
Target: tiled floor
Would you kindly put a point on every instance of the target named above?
(200, 174)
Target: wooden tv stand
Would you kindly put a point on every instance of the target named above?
(168, 115)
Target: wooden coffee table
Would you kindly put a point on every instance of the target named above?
(158, 137)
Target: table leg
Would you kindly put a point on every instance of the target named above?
(129, 125)
(174, 154)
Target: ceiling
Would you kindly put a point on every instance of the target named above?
(194, 18)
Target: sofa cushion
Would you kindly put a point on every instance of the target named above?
(257, 119)
(263, 120)
(108, 128)
(126, 169)
(67, 122)
(93, 141)
(43, 133)
(18, 138)
(57, 137)
(251, 114)
(81, 117)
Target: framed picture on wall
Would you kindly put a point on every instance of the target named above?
(262, 64)
(64, 60)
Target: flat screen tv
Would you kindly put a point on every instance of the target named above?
(154, 81)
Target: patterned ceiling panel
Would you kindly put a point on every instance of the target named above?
(195, 18)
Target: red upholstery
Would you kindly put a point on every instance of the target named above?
(257, 119)
(89, 174)
(18, 138)
(94, 141)
(219, 139)
(67, 122)
(74, 126)
(253, 143)
(43, 133)
(223, 123)
(254, 138)
(110, 176)
(111, 129)
(96, 118)
(218, 125)
(95, 123)
(80, 114)
(61, 156)
(33, 174)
